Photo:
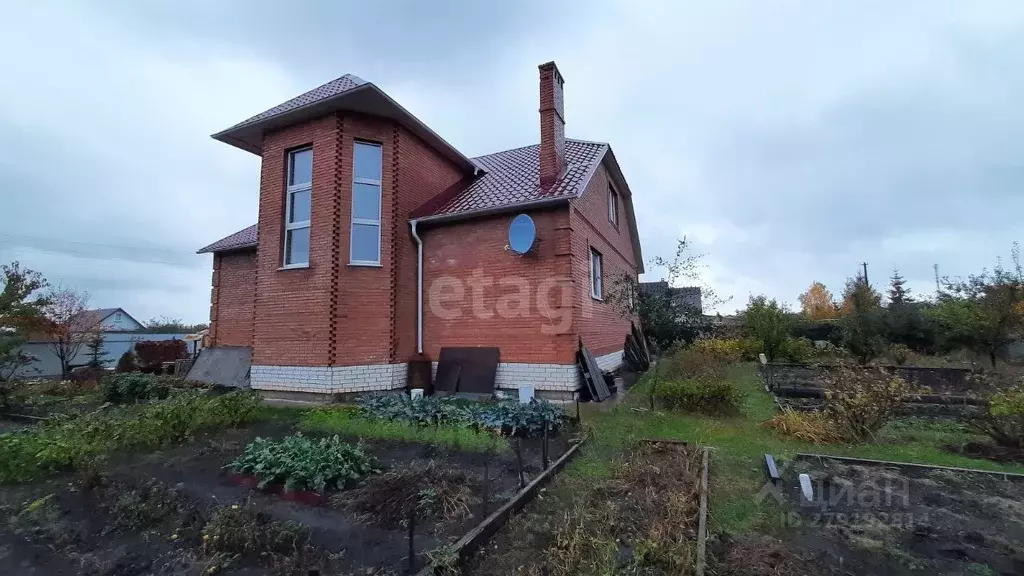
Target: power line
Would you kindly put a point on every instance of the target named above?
(125, 253)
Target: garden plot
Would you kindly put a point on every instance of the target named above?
(638, 516)
(178, 510)
(879, 519)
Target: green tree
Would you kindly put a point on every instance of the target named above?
(863, 322)
(985, 312)
(899, 294)
(96, 352)
(768, 322)
(21, 308)
(666, 318)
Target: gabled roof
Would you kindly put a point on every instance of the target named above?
(244, 238)
(511, 179)
(348, 93)
(87, 319)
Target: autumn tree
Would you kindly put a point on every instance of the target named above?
(905, 321)
(21, 307)
(817, 303)
(69, 325)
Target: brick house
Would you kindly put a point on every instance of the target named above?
(378, 243)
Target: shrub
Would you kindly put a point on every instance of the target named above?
(303, 463)
(811, 426)
(1004, 420)
(504, 417)
(729, 349)
(153, 353)
(691, 362)
(861, 401)
(131, 387)
(899, 353)
(799, 350)
(126, 363)
(703, 395)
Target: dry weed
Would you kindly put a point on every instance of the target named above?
(813, 427)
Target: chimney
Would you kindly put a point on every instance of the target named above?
(552, 125)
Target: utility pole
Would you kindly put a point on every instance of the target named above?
(865, 265)
(938, 288)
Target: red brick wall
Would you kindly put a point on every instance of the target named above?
(334, 313)
(292, 325)
(601, 325)
(232, 306)
(472, 253)
(423, 173)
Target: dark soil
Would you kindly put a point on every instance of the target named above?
(898, 520)
(83, 532)
(989, 451)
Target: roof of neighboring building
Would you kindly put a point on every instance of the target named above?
(348, 93)
(244, 238)
(89, 318)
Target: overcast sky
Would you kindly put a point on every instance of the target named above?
(789, 140)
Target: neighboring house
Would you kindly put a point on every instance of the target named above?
(379, 243)
(120, 333)
(688, 297)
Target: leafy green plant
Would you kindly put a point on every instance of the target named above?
(702, 395)
(347, 421)
(69, 441)
(799, 350)
(302, 463)
(129, 387)
(1004, 420)
(505, 417)
(862, 401)
(767, 321)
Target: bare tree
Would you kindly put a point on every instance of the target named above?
(70, 325)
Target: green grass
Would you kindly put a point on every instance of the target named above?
(739, 443)
(344, 420)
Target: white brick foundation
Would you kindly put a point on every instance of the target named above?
(564, 378)
(329, 379)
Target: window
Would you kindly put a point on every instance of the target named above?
(298, 207)
(366, 197)
(613, 207)
(117, 317)
(595, 274)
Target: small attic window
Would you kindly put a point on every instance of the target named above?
(117, 317)
(613, 207)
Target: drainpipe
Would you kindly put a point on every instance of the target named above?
(419, 287)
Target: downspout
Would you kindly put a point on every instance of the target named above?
(419, 287)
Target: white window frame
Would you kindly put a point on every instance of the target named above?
(613, 206)
(378, 182)
(596, 280)
(288, 224)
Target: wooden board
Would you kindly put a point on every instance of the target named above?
(599, 390)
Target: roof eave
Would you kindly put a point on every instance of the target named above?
(490, 211)
(211, 250)
(366, 98)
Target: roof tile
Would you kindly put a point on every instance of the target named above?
(245, 238)
(332, 88)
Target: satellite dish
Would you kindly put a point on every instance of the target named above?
(521, 234)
